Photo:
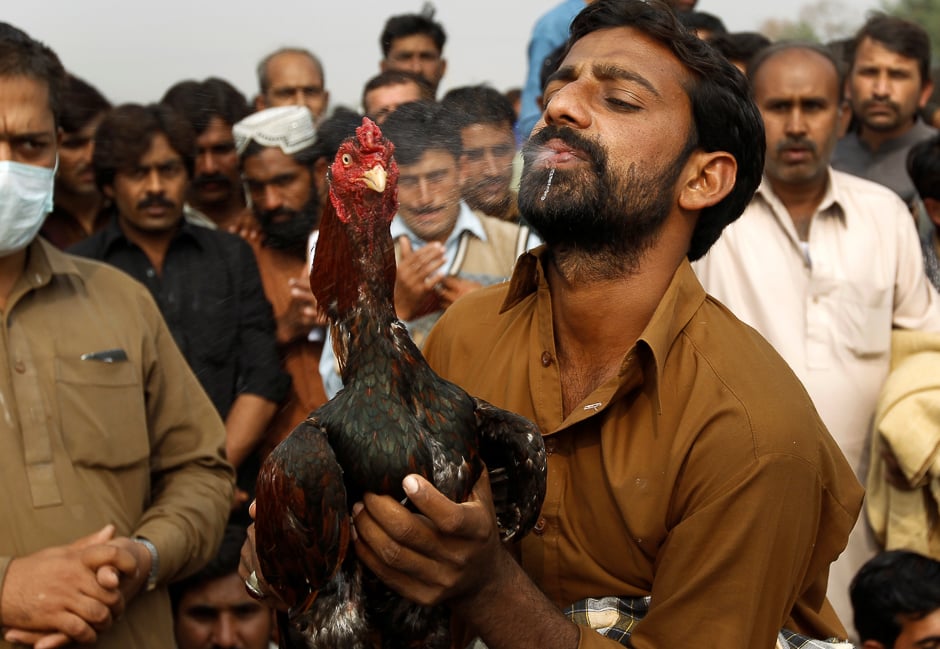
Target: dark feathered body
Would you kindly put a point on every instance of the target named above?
(394, 416)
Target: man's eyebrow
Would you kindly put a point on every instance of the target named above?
(604, 72)
(611, 72)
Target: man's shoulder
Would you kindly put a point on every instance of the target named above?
(731, 359)
(92, 246)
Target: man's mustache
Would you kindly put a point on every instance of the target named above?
(796, 143)
(156, 201)
(206, 179)
(591, 149)
(881, 103)
(269, 216)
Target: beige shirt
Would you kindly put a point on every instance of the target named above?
(828, 305)
(700, 475)
(102, 421)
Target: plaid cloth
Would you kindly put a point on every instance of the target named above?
(616, 617)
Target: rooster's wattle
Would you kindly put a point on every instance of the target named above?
(395, 416)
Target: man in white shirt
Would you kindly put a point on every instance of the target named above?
(822, 264)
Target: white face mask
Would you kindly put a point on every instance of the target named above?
(25, 199)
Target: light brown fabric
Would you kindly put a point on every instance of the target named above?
(300, 358)
(907, 420)
(83, 443)
(701, 475)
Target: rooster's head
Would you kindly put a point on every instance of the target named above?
(363, 177)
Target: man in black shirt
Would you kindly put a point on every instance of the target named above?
(206, 282)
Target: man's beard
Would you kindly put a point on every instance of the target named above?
(290, 235)
(593, 214)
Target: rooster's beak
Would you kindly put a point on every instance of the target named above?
(375, 178)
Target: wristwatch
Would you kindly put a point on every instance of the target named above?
(154, 562)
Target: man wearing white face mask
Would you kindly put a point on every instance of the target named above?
(110, 464)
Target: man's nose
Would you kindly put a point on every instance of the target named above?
(225, 632)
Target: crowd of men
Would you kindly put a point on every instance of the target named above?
(709, 275)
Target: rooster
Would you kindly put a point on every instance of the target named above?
(394, 417)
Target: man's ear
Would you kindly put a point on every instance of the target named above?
(709, 178)
(260, 104)
(932, 207)
(108, 191)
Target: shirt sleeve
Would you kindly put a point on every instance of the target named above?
(744, 553)
(191, 484)
(259, 365)
(916, 303)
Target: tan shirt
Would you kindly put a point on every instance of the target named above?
(83, 443)
(829, 309)
(701, 475)
(300, 357)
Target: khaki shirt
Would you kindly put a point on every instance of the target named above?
(101, 421)
(700, 476)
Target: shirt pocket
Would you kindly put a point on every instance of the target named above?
(868, 315)
(102, 413)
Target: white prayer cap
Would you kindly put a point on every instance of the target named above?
(290, 128)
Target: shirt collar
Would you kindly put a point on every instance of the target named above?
(44, 260)
(467, 221)
(113, 235)
(683, 297)
(833, 201)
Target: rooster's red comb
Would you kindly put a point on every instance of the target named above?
(370, 137)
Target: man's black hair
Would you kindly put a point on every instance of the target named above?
(693, 20)
(923, 166)
(200, 101)
(420, 126)
(724, 115)
(81, 103)
(739, 46)
(23, 56)
(408, 25)
(893, 583)
(333, 131)
(126, 133)
(480, 104)
(397, 78)
(223, 564)
(900, 36)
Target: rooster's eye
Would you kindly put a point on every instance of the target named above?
(347, 159)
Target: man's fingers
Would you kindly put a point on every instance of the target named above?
(103, 535)
(444, 513)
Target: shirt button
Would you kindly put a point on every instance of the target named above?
(547, 359)
(539, 527)
(20, 367)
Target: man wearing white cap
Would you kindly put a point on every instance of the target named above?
(277, 155)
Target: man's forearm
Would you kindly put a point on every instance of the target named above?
(245, 426)
(512, 613)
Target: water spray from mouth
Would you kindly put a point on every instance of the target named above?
(548, 185)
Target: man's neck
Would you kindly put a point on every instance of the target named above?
(874, 140)
(11, 267)
(84, 208)
(597, 321)
(224, 215)
(154, 244)
(801, 200)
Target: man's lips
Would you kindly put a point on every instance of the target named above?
(796, 154)
(557, 153)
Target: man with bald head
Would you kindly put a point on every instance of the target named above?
(823, 264)
(292, 76)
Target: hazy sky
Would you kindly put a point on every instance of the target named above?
(134, 51)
